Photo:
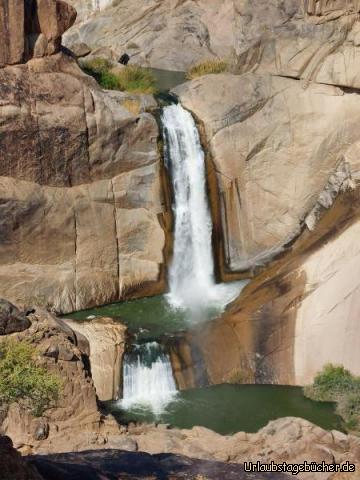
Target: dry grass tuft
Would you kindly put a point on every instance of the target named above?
(207, 67)
(132, 105)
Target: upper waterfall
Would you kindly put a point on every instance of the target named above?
(191, 273)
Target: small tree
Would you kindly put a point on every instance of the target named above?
(23, 381)
(336, 384)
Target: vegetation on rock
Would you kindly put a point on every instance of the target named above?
(207, 67)
(131, 78)
(336, 384)
(23, 381)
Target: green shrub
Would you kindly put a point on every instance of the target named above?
(331, 383)
(96, 65)
(336, 384)
(22, 381)
(131, 78)
(207, 67)
(99, 68)
(136, 80)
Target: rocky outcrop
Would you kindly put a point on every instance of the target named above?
(81, 173)
(11, 319)
(331, 9)
(65, 354)
(287, 440)
(291, 440)
(32, 28)
(106, 338)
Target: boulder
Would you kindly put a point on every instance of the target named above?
(11, 319)
(106, 338)
(81, 50)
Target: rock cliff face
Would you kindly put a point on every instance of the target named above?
(299, 314)
(303, 37)
(32, 28)
(83, 215)
(275, 147)
(169, 34)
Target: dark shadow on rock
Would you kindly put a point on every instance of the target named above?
(11, 319)
(115, 465)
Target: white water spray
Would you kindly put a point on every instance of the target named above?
(191, 274)
(148, 380)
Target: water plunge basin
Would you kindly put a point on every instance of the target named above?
(228, 409)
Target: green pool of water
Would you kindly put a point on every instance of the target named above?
(228, 409)
(152, 317)
(167, 79)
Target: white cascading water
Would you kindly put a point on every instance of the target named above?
(99, 5)
(148, 378)
(191, 274)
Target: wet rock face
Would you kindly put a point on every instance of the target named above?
(32, 28)
(11, 319)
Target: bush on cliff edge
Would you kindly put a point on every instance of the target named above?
(132, 78)
(336, 384)
(23, 381)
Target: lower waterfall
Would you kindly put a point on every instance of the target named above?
(148, 378)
